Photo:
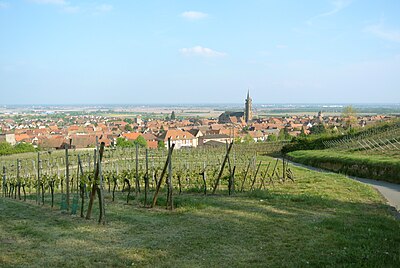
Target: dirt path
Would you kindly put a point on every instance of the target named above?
(390, 191)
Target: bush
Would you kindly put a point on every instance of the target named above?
(6, 148)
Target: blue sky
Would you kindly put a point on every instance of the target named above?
(131, 51)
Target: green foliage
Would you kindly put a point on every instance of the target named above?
(124, 143)
(350, 116)
(315, 142)
(237, 140)
(128, 120)
(141, 141)
(318, 129)
(248, 139)
(7, 149)
(128, 128)
(24, 147)
(355, 164)
(284, 134)
(160, 144)
(173, 117)
(272, 137)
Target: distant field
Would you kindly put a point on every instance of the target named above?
(321, 220)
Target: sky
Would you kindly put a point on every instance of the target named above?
(199, 51)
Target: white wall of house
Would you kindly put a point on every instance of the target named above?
(179, 143)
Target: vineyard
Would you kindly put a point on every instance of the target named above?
(257, 215)
(384, 141)
(71, 179)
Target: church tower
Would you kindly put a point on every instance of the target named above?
(248, 112)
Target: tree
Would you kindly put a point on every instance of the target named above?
(6, 148)
(303, 132)
(318, 129)
(248, 139)
(272, 137)
(349, 115)
(122, 142)
(141, 141)
(128, 127)
(284, 134)
(173, 117)
(24, 147)
(160, 144)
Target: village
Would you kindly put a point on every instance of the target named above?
(80, 131)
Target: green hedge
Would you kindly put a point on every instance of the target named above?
(366, 166)
(7, 149)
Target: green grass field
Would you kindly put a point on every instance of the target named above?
(320, 220)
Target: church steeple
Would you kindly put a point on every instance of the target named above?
(248, 112)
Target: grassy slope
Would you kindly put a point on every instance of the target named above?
(381, 167)
(321, 220)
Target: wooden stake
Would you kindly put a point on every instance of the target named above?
(170, 202)
(222, 168)
(38, 179)
(67, 176)
(255, 177)
(170, 150)
(146, 178)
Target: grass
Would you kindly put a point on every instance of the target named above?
(374, 166)
(320, 220)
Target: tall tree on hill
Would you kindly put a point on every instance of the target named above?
(318, 129)
(173, 117)
(349, 115)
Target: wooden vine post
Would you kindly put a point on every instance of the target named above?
(222, 168)
(67, 176)
(96, 188)
(158, 186)
(204, 175)
(146, 178)
(262, 185)
(255, 177)
(283, 168)
(82, 184)
(38, 179)
(137, 173)
(4, 181)
(19, 178)
(170, 201)
(245, 175)
(231, 186)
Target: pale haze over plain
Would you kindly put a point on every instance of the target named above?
(129, 52)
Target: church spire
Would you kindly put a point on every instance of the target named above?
(248, 113)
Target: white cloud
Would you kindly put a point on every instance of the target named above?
(4, 5)
(194, 15)
(338, 5)
(201, 51)
(380, 31)
(52, 2)
(104, 8)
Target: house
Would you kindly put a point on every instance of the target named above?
(10, 138)
(181, 138)
(221, 138)
(152, 142)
